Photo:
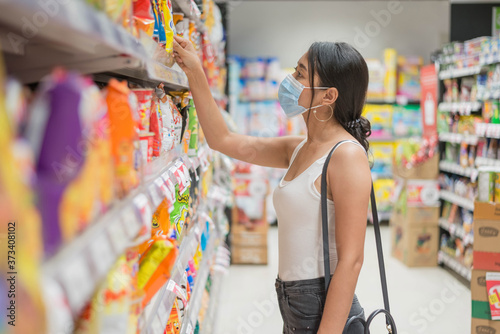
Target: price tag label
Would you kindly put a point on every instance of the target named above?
(154, 193)
(118, 235)
(130, 222)
(101, 254)
(142, 204)
(171, 285)
(76, 278)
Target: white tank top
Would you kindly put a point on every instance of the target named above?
(298, 209)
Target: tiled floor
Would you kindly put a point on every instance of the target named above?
(426, 300)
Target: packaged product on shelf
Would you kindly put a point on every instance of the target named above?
(407, 121)
(173, 324)
(159, 28)
(119, 11)
(178, 19)
(492, 149)
(487, 180)
(161, 219)
(166, 10)
(409, 77)
(155, 266)
(472, 156)
(18, 200)
(145, 103)
(123, 135)
(464, 155)
(167, 115)
(143, 16)
(156, 126)
(390, 65)
(380, 117)
(193, 129)
(180, 213)
(109, 309)
(146, 141)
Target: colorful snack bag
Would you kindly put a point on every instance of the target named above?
(177, 117)
(169, 27)
(173, 324)
(119, 11)
(180, 212)
(143, 16)
(146, 142)
(161, 219)
(156, 126)
(168, 124)
(193, 127)
(145, 102)
(155, 266)
(123, 135)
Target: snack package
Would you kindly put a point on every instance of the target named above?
(177, 118)
(180, 212)
(143, 16)
(464, 156)
(91, 192)
(155, 266)
(193, 127)
(123, 135)
(146, 142)
(161, 219)
(179, 24)
(156, 126)
(159, 27)
(173, 324)
(58, 162)
(119, 11)
(18, 203)
(168, 124)
(145, 102)
(166, 7)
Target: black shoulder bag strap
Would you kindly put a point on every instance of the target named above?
(378, 240)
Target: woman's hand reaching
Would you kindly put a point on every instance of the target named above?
(185, 55)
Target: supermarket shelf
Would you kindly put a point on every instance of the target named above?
(190, 11)
(460, 72)
(455, 199)
(191, 317)
(464, 108)
(451, 167)
(454, 265)
(458, 138)
(480, 162)
(77, 37)
(158, 310)
(456, 231)
(488, 130)
(85, 261)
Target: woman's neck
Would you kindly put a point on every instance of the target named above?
(322, 132)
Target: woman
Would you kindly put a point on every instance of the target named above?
(328, 89)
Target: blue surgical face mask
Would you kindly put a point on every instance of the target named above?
(288, 95)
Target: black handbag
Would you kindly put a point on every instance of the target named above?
(390, 324)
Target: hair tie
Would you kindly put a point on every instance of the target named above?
(353, 124)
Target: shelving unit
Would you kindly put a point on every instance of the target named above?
(90, 44)
(460, 72)
(451, 167)
(454, 265)
(456, 231)
(458, 138)
(488, 130)
(463, 108)
(458, 200)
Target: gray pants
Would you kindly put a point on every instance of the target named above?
(301, 305)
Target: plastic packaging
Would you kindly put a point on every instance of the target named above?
(143, 16)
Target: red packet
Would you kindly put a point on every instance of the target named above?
(493, 288)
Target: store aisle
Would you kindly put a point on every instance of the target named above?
(427, 300)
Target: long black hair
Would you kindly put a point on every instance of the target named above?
(341, 66)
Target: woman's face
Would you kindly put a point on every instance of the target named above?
(301, 74)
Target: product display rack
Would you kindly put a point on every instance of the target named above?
(38, 37)
(90, 44)
(481, 131)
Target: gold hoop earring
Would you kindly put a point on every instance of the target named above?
(324, 120)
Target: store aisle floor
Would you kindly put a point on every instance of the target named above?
(423, 300)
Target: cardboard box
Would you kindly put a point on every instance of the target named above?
(478, 285)
(486, 260)
(415, 246)
(248, 255)
(428, 170)
(487, 227)
(482, 326)
(240, 236)
(415, 216)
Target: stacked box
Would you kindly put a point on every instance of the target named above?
(486, 259)
(414, 222)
